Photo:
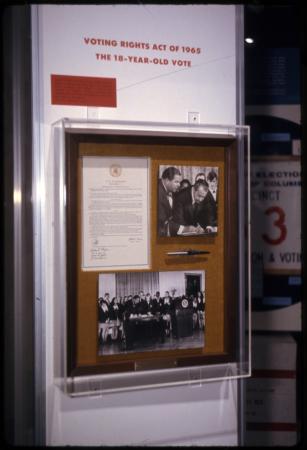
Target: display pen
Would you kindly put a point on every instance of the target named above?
(188, 252)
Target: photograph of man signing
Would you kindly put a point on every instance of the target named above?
(193, 209)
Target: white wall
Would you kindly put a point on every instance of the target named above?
(205, 414)
(145, 91)
(186, 415)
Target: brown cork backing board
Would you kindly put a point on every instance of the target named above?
(220, 265)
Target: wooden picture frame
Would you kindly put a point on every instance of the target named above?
(221, 264)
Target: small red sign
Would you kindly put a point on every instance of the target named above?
(83, 91)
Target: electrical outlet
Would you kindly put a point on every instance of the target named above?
(92, 112)
(193, 117)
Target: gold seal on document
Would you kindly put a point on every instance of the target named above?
(115, 170)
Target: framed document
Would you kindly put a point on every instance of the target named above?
(115, 212)
(154, 229)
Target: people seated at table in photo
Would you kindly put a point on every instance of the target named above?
(150, 305)
(133, 308)
(131, 311)
(194, 210)
(145, 303)
(118, 318)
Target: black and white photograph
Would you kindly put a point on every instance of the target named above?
(150, 311)
(187, 200)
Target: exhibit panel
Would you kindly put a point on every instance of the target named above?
(115, 86)
(124, 61)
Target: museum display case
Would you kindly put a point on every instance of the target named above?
(150, 290)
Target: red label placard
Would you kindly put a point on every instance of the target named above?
(83, 91)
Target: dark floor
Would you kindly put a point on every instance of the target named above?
(195, 341)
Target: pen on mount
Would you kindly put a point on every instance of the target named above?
(188, 252)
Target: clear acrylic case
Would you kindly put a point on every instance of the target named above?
(160, 371)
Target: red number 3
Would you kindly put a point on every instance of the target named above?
(279, 223)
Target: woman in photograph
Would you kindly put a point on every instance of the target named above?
(114, 313)
(154, 304)
(103, 319)
(200, 310)
(167, 310)
(195, 312)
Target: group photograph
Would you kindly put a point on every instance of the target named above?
(150, 311)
